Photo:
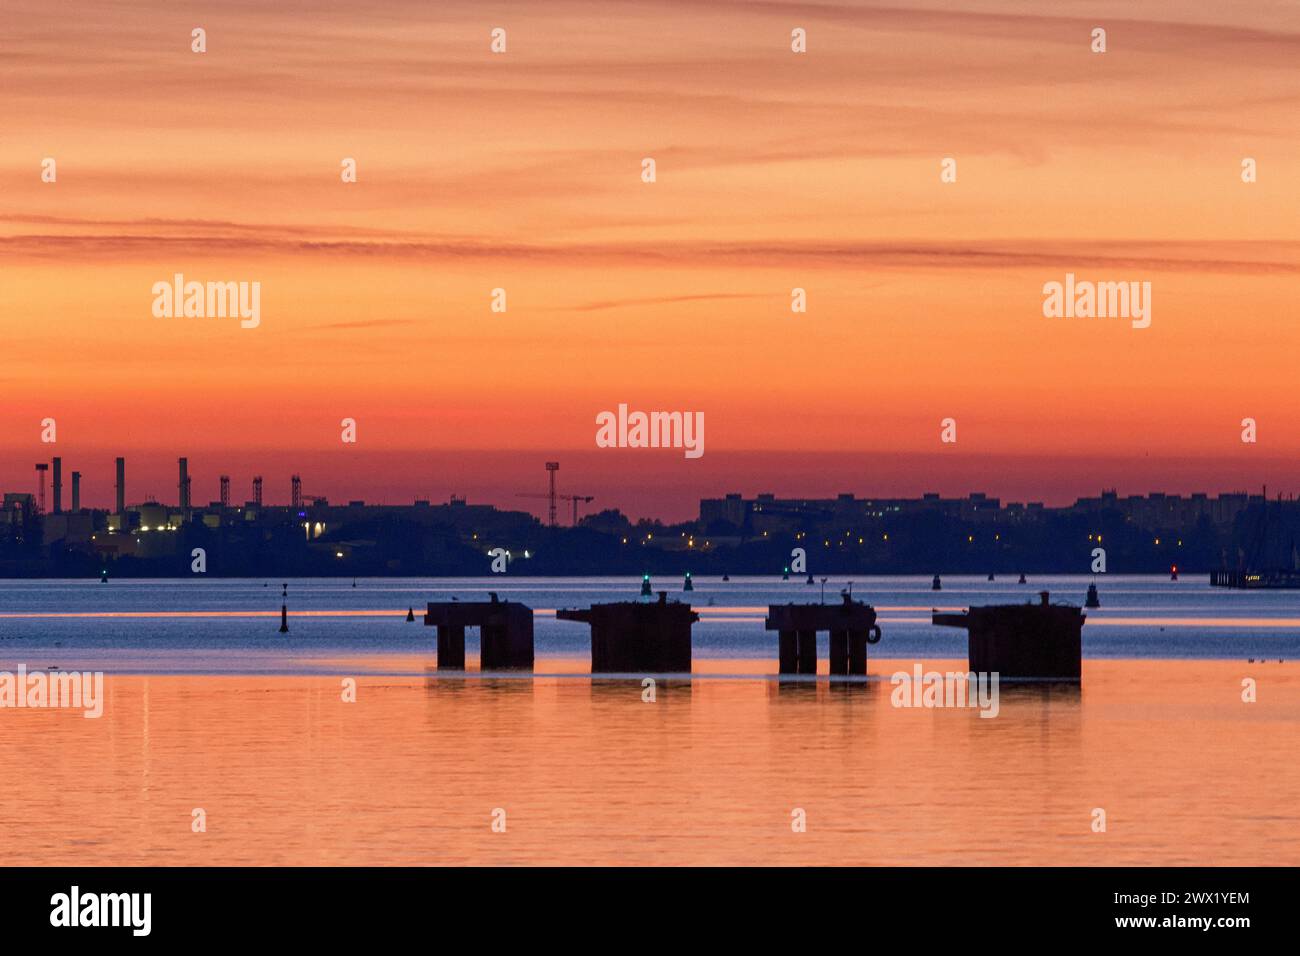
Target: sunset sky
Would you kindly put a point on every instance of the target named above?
(775, 170)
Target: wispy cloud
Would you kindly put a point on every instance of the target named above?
(1215, 256)
(359, 324)
(657, 300)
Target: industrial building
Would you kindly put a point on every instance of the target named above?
(1157, 510)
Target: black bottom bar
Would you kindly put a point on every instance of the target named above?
(304, 905)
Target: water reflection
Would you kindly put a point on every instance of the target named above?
(590, 773)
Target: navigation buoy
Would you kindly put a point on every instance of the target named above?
(687, 585)
(284, 609)
(990, 577)
(1093, 600)
(1173, 573)
(785, 574)
(410, 614)
(1022, 579)
(645, 586)
(935, 585)
(103, 576)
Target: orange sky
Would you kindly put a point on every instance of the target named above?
(775, 170)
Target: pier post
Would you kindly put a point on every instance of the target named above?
(788, 652)
(451, 648)
(807, 652)
(839, 652)
(521, 646)
(858, 652)
(493, 650)
(506, 648)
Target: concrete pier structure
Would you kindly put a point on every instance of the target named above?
(634, 637)
(851, 624)
(505, 633)
(1040, 640)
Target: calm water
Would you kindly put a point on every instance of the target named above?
(208, 706)
(710, 773)
(218, 626)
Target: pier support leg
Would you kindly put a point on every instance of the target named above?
(520, 640)
(451, 648)
(839, 652)
(858, 652)
(492, 648)
(506, 647)
(807, 652)
(602, 658)
(788, 653)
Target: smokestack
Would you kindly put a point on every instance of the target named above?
(41, 468)
(184, 484)
(76, 491)
(121, 486)
(225, 491)
(58, 486)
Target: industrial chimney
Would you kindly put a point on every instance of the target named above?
(76, 491)
(58, 486)
(121, 486)
(41, 468)
(184, 484)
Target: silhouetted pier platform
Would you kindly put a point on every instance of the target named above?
(505, 633)
(635, 636)
(1022, 640)
(852, 626)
